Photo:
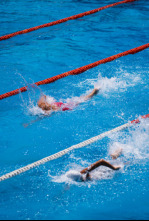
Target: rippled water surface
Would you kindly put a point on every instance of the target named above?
(47, 192)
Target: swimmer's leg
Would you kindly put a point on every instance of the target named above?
(117, 154)
(98, 164)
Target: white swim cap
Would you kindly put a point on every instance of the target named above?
(75, 175)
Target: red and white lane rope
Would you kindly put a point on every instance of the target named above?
(64, 152)
(5, 37)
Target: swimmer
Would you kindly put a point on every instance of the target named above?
(86, 172)
(48, 108)
(51, 107)
(85, 175)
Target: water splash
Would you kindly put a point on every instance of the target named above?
(35, 110)
(29, 103)
(135, 144)
(50, 99)
(74, 177)
(118, 83)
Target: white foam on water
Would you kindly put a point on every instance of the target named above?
(135, 144)
(50, 99)
(73, 176)
(119, 83)
(107, 86)
(29, 104)
(34, 110)
(103, 173)
(115, 84)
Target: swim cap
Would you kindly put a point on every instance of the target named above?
(75, 175)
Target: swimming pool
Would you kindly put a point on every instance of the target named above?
(43, 193)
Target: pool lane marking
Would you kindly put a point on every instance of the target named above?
(77, 71)
(74, 147)
(8, 36)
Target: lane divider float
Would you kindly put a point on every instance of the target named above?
(77, 71)
(66, 151)
(8, 36)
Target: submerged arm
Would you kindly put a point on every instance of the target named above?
(37, 119)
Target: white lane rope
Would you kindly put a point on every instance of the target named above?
(63, 152)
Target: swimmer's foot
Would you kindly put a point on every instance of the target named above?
(117, 154)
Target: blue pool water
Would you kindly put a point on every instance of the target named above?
(46, 192)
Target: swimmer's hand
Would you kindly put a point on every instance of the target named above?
(96, 90)
(25, 125)
(118, 168)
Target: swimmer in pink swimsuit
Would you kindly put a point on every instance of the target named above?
(59, 106)
(49, 107)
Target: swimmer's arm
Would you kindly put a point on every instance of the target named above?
(98, 164)
(92, 94)
(89, 96)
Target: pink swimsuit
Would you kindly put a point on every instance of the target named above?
(64, 107)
